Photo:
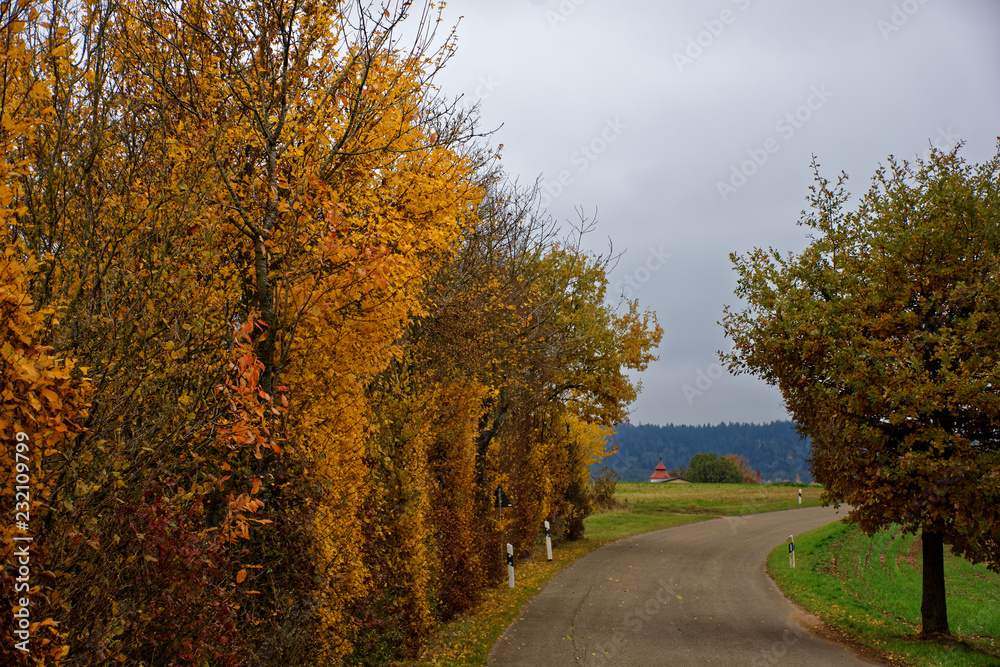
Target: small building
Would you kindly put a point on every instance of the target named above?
(661, 475)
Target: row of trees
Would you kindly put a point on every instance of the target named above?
(274, 327)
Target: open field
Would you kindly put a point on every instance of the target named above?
(870, 589)
(715, 499)
(467, 640)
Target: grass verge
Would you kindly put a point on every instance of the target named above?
(870, 589)
(714, 499)
(467, 640)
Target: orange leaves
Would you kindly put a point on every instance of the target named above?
(41, 408)
(29, 373)
(249, 426)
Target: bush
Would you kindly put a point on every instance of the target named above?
(604, 488)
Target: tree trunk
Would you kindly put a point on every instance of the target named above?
(265, 302)
(933, 609)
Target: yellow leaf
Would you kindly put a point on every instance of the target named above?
(240, 576)
(53, 398)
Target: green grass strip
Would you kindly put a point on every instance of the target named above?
(870, 589)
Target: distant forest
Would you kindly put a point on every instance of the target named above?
(775, 449)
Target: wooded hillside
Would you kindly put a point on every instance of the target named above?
(774, 448)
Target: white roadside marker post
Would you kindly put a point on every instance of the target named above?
(500, 507)
(548, 541)
(510, 563)
(791, 551)
(502, 501)
(800, 496)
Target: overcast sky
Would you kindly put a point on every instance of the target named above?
(689, 127)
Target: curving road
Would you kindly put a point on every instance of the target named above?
(691, 595)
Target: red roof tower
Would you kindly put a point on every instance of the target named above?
(660, 474)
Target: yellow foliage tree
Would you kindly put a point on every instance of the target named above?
(398, 551)
(593, 439)
(391, 236)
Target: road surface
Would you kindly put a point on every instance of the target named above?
(692, 595)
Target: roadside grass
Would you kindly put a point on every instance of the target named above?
(468, 639)
(870, 589)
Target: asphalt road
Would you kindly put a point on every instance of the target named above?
(691, 595)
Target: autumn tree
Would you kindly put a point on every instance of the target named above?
(747, 473)
(881, 336)
(398, 535)
(587, 346)
(331, 171)
(119, 233)
(712, 469)
(554, 353)
(310, 118)
(503, 386)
